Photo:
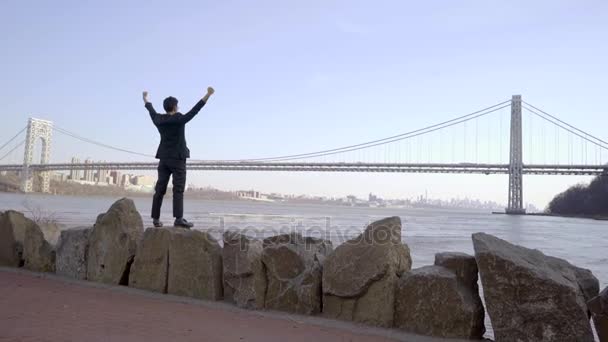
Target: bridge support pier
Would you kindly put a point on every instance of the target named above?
(515, 205)
(43, 130)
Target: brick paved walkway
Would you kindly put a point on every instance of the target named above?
(36, 307)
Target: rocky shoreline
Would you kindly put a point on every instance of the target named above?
(529, 296)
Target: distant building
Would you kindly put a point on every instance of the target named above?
(146, 181)
(58, 176)
(75, 174)
(125, 180)
(102, 175)
(115, 178)
(88, 171)
(248, 194)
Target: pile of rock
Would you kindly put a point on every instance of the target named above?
(529, 296)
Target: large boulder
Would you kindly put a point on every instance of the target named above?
(71, 259)
(529, 296)
(599, 309)
(13, 225)
(151, 265)
(38, 253)
(360, 276)
(441, 300)
(244, 278)
(113, 243)
(22, 244)
(293, 266)
(195, 265)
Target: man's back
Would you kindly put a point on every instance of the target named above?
(172, 129)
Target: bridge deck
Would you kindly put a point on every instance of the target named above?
(471, 168)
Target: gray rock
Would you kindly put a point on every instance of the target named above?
(22, 244)
(293, 267)
(71, 259)
(13, 225)
(529, 296)
(435, 301)
(360, 276)
(150, 268)
(599, 309)
(195, 265)
(243, 272)
(113, 243)
(462, 264)
(38, 253)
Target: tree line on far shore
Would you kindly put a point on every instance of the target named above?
(583, 200)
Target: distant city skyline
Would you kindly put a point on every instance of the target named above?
(298, 77)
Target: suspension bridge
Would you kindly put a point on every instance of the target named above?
(481, 142)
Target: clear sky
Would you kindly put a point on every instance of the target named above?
(300, 76)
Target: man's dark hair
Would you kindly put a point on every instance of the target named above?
(170, 103)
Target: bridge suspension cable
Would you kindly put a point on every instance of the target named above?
(13, 138)
(87, 140)
(13, 149)
(565, 123)
(403, 136)
(583, 135)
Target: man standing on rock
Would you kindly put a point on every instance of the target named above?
(172, 154)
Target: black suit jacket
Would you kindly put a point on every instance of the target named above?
(172, 132)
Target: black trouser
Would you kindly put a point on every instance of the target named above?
(166, 168)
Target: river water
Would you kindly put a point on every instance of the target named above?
(583, 242)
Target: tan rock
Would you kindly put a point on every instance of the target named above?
(150, 268)
(243, 272)
(113, 243)
(293, 267)
(360, 276)
(195, 265)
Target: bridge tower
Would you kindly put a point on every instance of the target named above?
(43, 130)
(515, 205)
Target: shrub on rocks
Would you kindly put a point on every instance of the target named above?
(360, 276)
(530, 296)
(195, 265)
(599, 309)
(22, 244)
(441, 300)
(113, 243)
(243, 272)
(293, 267)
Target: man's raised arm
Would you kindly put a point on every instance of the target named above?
(198, 106)
(149, 107)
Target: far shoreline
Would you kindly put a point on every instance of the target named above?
(581, 216)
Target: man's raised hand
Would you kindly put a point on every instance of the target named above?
(145, 96)
(210, 90)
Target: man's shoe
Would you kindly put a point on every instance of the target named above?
(157, 223)
(183, 223)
